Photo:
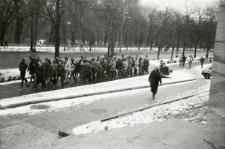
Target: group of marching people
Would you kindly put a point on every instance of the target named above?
(82, 71)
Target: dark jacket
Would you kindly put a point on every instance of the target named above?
(39, 71)
(60, 69)
(119, 64)
(46, 70)
(52, 69)
(22, 66)
(32, 68)
(154, 77)
(202, 60)
(146, 62)
(87, 68)
(77, 67)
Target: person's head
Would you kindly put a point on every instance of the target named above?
(22, 60)
(146, 56)
(46, 59)
(60, 62)
(39, 63)
(66, 58)
(72, 60)
(156, 69)
(53, 61)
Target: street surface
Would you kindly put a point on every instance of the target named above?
(98, 107)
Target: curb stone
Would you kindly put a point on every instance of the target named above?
(83, 95)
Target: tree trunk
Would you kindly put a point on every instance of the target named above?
(32, 48)
(172, 52)
(2, 36)
(57, 27)
(36, 22)
(184, 48)
(151, 44)
(159, 48)
(196, 45)
(90, 47)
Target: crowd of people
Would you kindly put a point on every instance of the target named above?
(82, 71)
(190, 59)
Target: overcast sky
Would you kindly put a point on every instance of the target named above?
(177, 4)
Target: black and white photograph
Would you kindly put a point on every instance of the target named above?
(112, 74)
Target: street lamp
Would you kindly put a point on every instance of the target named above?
(124, 18)
(67, 23)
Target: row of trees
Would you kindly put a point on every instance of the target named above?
(106, 23)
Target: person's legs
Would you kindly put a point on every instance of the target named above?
(22, 75)
(38, 80)
(154, 88)
(66, 76)
(43, 81)
(62, 80)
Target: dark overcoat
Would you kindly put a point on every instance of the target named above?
(154, 79)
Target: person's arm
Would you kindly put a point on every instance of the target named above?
(160, 79)
(149, 78)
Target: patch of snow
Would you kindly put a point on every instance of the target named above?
(176, 109)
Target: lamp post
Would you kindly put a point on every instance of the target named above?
(124, 18)
(67, 23)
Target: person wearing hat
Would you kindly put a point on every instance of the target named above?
(154, 79)
(23, 68)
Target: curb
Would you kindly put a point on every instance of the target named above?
(142, 109)
(151, 106)
(86, 94)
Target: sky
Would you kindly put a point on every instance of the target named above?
(177, 4)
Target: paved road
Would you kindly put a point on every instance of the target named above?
(102, 106)
(12, 59)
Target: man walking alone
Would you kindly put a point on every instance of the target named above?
(23, 68)
(154, 79)
(202, 61)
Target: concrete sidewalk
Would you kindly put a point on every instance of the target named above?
(171, 134)
(95, 89)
